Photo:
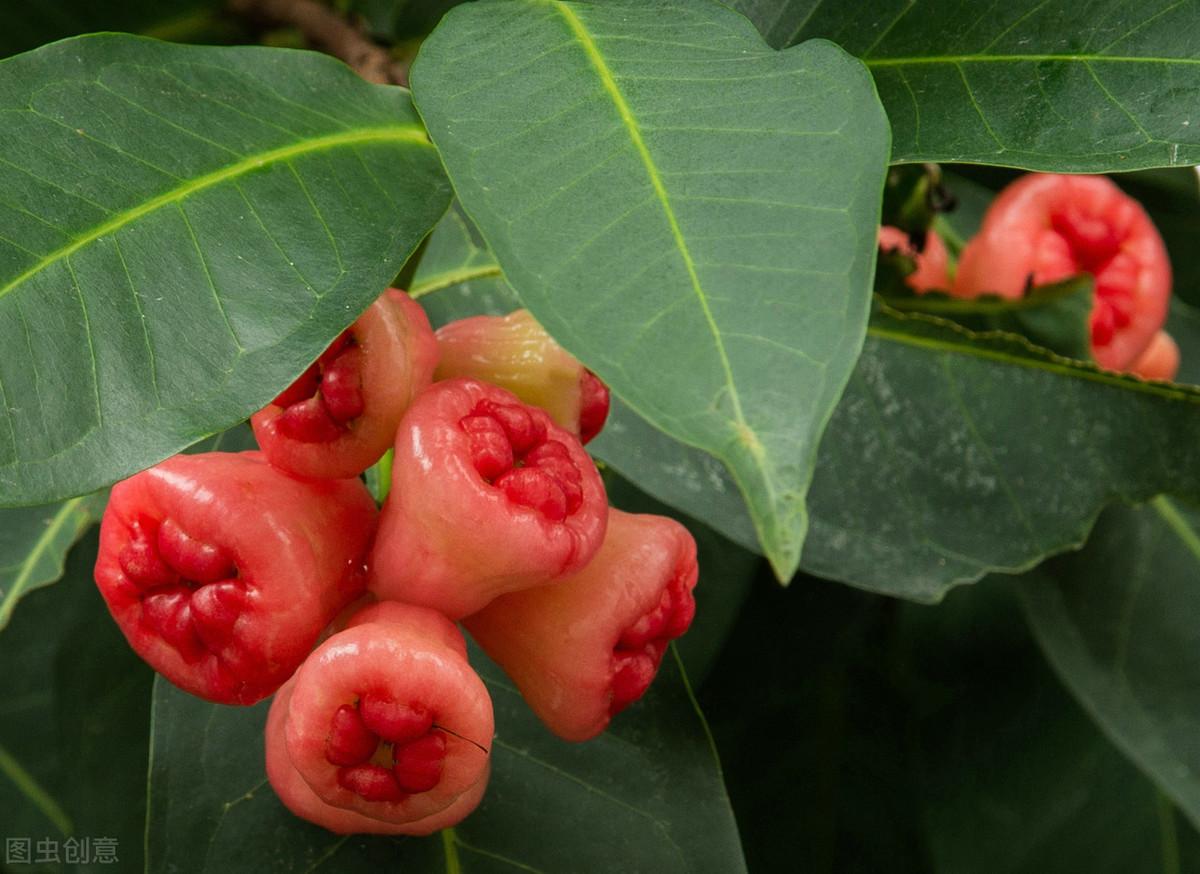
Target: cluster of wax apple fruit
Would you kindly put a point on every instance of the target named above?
(1044, 228)
(224, 570)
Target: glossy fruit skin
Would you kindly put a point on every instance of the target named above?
(932, 271)
(1160, 360)
(296, 552)
(1044, 228)
(452, 540)
(396, 356)
(515, 353)
(300, 799)
(562, 644)
(406, 655)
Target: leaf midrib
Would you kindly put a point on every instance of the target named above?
(745, 433)
(68, 511)
(390, 133)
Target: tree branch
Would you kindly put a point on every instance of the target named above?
(324, 29)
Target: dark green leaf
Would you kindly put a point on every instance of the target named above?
(74, 715)
(1013, 775)
(689, 212)
(401, 19)
(456, 262)
(952, 455)
(1044, 84)
(648, 793)
(185, 228)
(34, 542)
(1118, 620)
(25, 26)
(873, 736)
(1055, 317)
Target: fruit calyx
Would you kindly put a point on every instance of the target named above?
(1095, 247)
(640, 649)
(511, 450)
(320, 404)
(191, 591)
(385, 750)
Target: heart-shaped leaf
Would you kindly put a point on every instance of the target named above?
(1118, 620)
(1050, 85)
(689, 212)
(648, 793)
(184, 230)
(34, 542)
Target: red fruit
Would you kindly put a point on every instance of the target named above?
(1044, 228)
(488, 496)
(385, 720)
(585, 648)
(222, 571)
(516, 353)
(300, 799)
(1159, 361)
(340, 415)
(932, 271)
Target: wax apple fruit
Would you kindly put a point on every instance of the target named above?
(222, 571)
(340, 415)
(384, 728)
(932, 263)
(488, 496)
(1044, 228)
(516, 353)
(300, 799)
(585, 648)
(1160, 360)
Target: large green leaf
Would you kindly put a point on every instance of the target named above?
(1044, 84)
(34, 542)
(647, 794)
(74, 716)
(879, 737)
(1118, 621)
(688, 211)
(953, 455)
(182, 230)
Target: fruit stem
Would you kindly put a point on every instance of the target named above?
(379, 477)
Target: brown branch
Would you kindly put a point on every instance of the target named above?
(324, 29)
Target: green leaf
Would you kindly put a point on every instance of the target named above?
(34, 542)
(74, 708)
(25, 26)
(972, 444)
(1055, 317)
(184, 230)
(648, 791)
(401, 19)
(457, 263)
(1013, 775)
(1050, 85)
(1118, 622)
(953, 455)
(877, 736)
(689, 212)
